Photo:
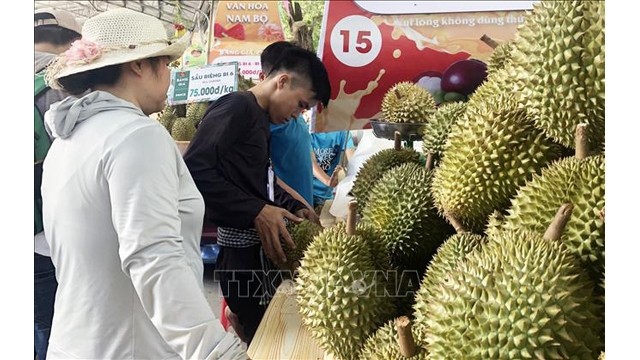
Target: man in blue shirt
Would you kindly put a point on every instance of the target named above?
(327, 148)
(290, 146)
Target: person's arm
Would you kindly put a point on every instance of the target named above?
(292, 192)
(300, 212)
(220, 129)
(143, 180)
(350, 147)
(319, 174)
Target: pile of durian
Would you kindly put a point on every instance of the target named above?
(182, 128)
(490, 244)
(181, 121)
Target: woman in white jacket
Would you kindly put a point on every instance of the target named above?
(121, 212)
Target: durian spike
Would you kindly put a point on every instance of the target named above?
(457, 225)
(407, 345)
(601, 214)
(429, 164)
(397, 144)
(489, 41)
(556, 228)
(582, 146)
(351, 217)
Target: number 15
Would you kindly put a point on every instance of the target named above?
(363, 41)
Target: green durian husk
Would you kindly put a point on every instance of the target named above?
(407, 102)
(373, 169)
(489, 154)
(167, 117)
(436, 130)
(401, 209)
(342, 294)
(579, 182)
(182, 130)
(500, 57)
(195, 112)
(520, 296)
(383, 345)
(302, 235)
(559, 59)
(449, 254)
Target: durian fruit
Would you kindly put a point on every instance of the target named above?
(244, 83)
(342, 294)
(454, 250)
(407, 102)
(182, 130)
(401, 209)
(500, 57)
(373, 169)
(601, 357)
(383, 345)
(195, 112)
(559, 59)
(436, 130)
(167, 117)
(578, 181)
(489, 154)
(520, 296)
(302, 234)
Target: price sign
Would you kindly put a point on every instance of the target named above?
(204, 84)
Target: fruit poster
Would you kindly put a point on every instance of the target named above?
(369, 46)
(241, 30)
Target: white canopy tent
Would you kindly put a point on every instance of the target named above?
(165, 10)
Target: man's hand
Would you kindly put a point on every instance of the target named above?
(271, 227)
(308, 214)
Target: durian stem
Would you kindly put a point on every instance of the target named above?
(351, 217)
(398, 95)
(397, 140)
(457, 225)
(489, 41)
(556, 228)
(582, 145)
(407, 345)
(429, 164)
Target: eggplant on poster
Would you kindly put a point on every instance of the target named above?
(369, 46)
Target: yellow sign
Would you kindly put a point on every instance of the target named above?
(241, 30)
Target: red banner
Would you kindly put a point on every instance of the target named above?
(367, 53)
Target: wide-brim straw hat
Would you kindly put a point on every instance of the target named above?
(116, 37)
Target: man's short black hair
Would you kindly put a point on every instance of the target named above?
(52, 34)
(306, 65)
(271, 53)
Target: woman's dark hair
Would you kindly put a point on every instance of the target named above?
(77, 84)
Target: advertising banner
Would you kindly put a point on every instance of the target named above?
(368, 52)
(241, 30)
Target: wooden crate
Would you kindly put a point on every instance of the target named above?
(281, 334)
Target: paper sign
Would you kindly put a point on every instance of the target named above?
(367, 53)
(204, 84)
(242, 29)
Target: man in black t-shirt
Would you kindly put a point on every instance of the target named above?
(229, 161)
